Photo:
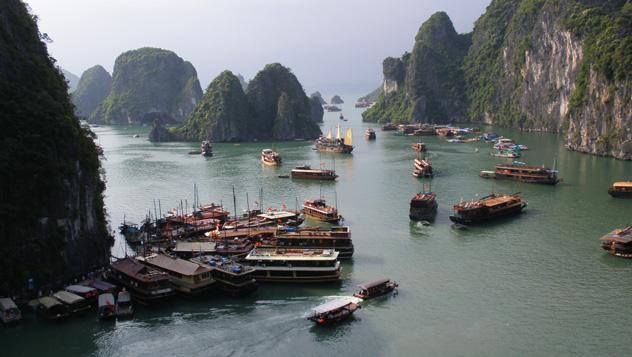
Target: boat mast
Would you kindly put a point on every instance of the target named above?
(248, 210)
(235, 204)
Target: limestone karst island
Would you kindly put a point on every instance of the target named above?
(282, 178)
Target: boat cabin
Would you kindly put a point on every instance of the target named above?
(333, 311)
(75, 303)
(376, 288)
(187, 277)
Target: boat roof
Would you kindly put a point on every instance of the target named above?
(176, 265)
(332, 305)
(48, 302)
(67, 297)
(134, 268)
(106, 299)
(374, 283)
(623, 236)
(497, 200)
(204, 247)
(124, 296)
(102, 285)
(277, 215)
(79, 289)
(622, 184)
(292, 254)
(7, 304)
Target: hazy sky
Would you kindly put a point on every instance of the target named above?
(327, 43)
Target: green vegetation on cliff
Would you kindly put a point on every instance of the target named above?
(148, 84)
(94, 86)
(373, 96)
(51, 196)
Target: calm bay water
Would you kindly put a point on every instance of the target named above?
(538, 284)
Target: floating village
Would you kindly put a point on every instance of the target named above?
(209, 248)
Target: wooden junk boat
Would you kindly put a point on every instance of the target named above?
(206, 148)
(335, 238)
(419, 147)
(369, 134)
(233, 279)
(488, 208)
(621, 189)
(307, 173)
(147, 285)
(187, 277)
(270, 157)
(618, 242)
(423, 207)
(422, 168)
(337, 144)
(294, 265)
(318, 209)
(334, 311)
(524, 173)
(376, 288)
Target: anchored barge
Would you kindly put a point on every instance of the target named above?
(621, 189)
(334, 311)
(147, 285)
(618, 242)
(423, 207)
(318, 209)
(337, 144)
(307, 173)
(524, 173)
(270, 157)
(294, 265)
(232, 279)
(188, 278)
(487, 208)
(336, 238)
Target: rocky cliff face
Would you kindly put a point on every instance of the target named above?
(318, 96)
(264, 95)
(71, 79)
(274, 107)
(552, 65)
(93, 87)
(53, 221)
(427, 84)
(336, 100)
(150, 84)
(317, 108)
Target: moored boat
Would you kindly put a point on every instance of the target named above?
(334, 311)
(307, 173)
(74, 303)
(487, 208)
(187, 277)
(147, 285)
(376, 288)
(86, 292)
(337, 144)
(334, 238)
(419, 147)
(423, 207)
(233, 279)
(294, 265)
(270, 157)
(369, 134)
(622, 189)
(9, 312)
(525, 173)
(505, 153)
(318, 209)
(618, 242)
(107, 307)
(51, 309)
(124, 306)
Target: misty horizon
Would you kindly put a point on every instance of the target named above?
(328, 45)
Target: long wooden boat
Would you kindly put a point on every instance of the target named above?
(333, 311)
(423, 207)
(307, 173)
(618, 242)
(74, 303)
(188, 278)
(294, 265)
(146, 284)
(51, 309)
(525, 173)
(337, 144)
(270, 157)
(89, 293)
(488, 208)
(315, 238)
(233, 279)
(422, 168)
(376, 288)
(318, 209)
(621, 189)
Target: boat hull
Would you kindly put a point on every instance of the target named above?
(423, 213)
(538, 180)
(313, 176)
(294, 277)
(619, 194)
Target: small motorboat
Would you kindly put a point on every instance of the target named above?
(124, 307)
(334, 311)
(376, 288)
(107, 307)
